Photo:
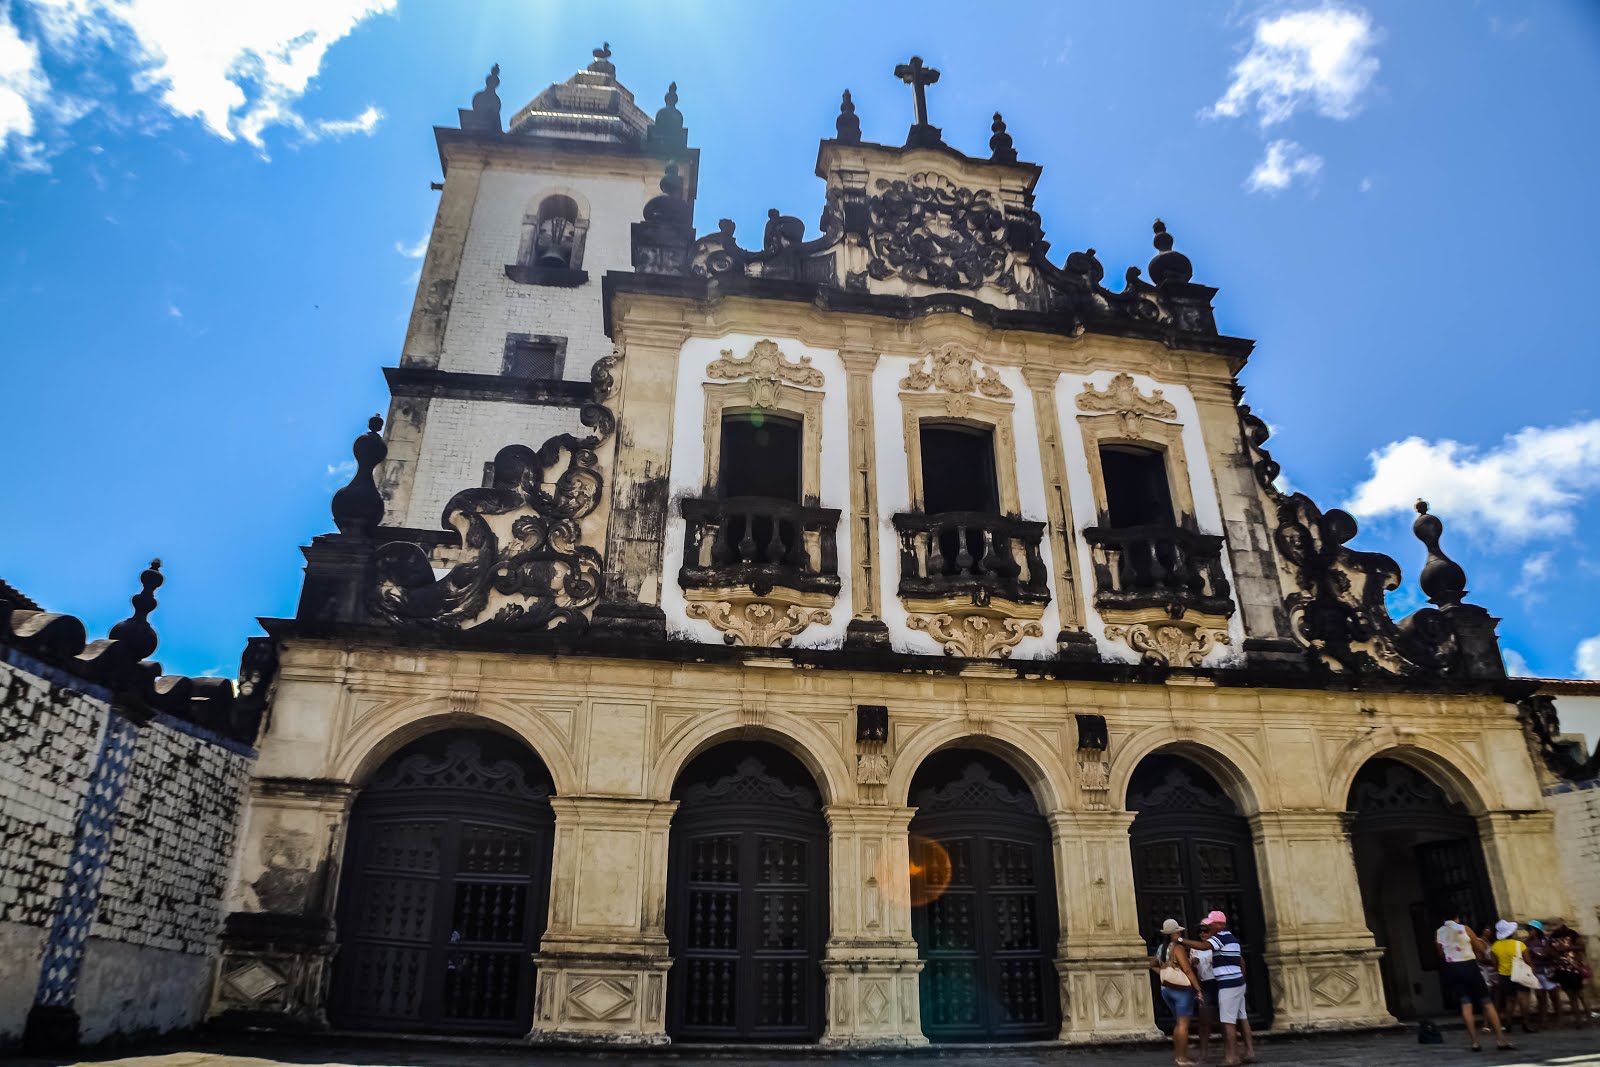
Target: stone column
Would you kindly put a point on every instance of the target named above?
(603, 960)
(866, 629)
(1105, 978)
(870, 963)
(1321, 958)
(1519, 848)
(277, 944)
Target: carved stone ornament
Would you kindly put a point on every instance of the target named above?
(932, 231)
(872, 768)
(952, 369)
(756, 623)
(523, 564)
(1179, 643)
(765, 366)
(1122, 398)
(1094, 781)
(975, 636)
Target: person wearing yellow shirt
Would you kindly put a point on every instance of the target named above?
(1509, 997)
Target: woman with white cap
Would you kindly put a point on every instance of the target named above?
(1510, 998)
(1180, 987)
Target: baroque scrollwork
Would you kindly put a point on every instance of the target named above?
(1122, 398)
(523, 564)
(930, 230)
(975, 636)
(953, 369)
(757, 624)
(1174, 644)
(765, 367)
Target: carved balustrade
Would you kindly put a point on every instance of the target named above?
(1158, 567)
(760, 543)
(969, 553)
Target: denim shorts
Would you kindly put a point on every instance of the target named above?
(1181, 1001)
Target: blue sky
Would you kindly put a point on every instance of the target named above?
(210, 214)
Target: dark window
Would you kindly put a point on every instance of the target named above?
(760, 457)
(1137, 493)
(534, 357)
(958, 469)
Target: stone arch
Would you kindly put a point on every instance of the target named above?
(555, 202)
(1234, 768)
(373, 742)
(1446, 764)
(1046, 778)
(816, 750)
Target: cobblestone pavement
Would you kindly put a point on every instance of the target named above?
(1563, 1048)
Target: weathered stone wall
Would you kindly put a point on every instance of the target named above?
(1577, 808)
(118, 839)
(49, 736)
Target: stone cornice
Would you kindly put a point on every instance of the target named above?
(459, 385)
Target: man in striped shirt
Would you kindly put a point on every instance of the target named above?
(1227, 964)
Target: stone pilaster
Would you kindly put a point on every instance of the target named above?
(603, 960)
(1519, 848)
(866, 629)
(870, 962)
(1321, 958)
(278, 944)
(1075, 642)
(1105, 983)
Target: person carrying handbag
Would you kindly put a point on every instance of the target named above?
(1180, 988)
(1516, 978)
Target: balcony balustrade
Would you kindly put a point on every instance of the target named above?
(760, 543)
(967, 553)
(1158, 567)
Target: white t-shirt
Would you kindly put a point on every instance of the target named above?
(1201, 959)
(1456, 943)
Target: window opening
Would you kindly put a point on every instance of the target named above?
(958, 469)
(556, 238)
(533, 359)
(760, 457)
(1137, 490)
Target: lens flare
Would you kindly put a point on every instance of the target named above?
(930, 870)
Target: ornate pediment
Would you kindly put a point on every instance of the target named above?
(953, 370)
(1121, 397)
(974, 635)
(765, 367)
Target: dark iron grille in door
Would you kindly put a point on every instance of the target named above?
(444, 896)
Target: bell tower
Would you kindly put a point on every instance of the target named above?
(507, 320)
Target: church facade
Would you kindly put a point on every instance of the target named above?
(865, 638)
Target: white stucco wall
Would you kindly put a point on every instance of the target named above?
(1202, 488)
(688, 475)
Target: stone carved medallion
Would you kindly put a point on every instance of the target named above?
(758, 624)
(930, 230)
(975, 636)
(872, 768)
(1094, 782)
(765, 367)
(1170, 644)
(952, 369)
(1123, 399)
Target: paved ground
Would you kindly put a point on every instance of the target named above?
(1564, 1048)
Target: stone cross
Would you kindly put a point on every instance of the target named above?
(919, 78)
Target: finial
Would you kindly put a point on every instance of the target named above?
(1168, 266)
(1000, 146)
(847, 124)
(1442, 577)
(485, 111)
(135, 632)
(602, 60)
(358, 506)
(670, 206)
(668, 132)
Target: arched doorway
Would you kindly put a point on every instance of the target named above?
(446, 889)
(1192, 854)
(747, 877)
(1417, 853)
(983, 902)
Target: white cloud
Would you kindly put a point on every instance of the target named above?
(1284, 162)
(1319, 59)
(238, 68)
(339, 473)
(1527, 486)
(174, 311)
(24, 91)
(1587, 659)
(1516, 663)
(363, 123)
(416, 251)
(1535, 571)
(1366, 185)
